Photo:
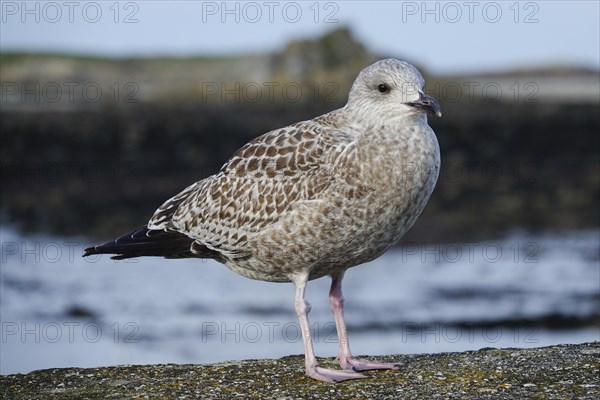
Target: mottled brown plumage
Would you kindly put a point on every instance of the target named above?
(314, 198)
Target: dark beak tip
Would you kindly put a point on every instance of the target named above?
(427, 104)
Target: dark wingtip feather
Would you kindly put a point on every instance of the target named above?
(89, 251)
(145, 242)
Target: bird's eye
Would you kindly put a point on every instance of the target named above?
(383, 88)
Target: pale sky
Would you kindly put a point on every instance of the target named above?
(444, 37)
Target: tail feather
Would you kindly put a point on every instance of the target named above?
(146, 242)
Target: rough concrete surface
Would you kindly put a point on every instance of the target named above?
(556, 372)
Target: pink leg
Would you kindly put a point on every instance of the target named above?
(312, 367)
(336, 300)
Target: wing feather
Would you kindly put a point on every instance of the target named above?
(262, 182)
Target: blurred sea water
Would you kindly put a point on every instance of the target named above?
(60, 310)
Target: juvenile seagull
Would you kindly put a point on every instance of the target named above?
(311, 199)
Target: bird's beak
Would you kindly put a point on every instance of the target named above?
(427, 104)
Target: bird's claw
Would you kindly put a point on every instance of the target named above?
(353, 364)
(332, 375)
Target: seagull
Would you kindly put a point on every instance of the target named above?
(310, 200)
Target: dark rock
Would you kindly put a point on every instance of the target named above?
(80, 312)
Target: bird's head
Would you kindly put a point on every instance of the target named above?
(392, 87)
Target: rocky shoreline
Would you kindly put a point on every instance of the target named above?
(111, 175)
(556, 372)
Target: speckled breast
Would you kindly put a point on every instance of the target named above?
(377, 191)
(400, 172)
